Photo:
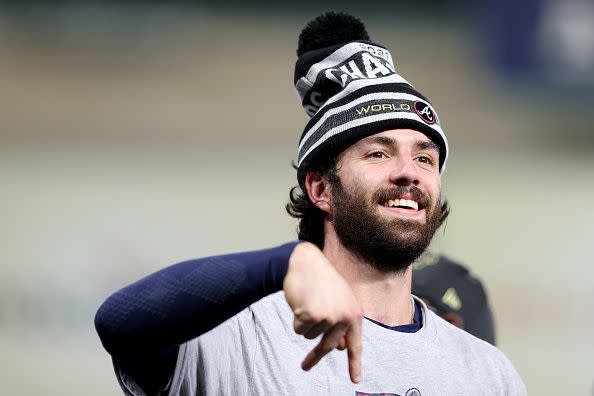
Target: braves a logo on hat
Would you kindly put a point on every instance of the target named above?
(424, 111)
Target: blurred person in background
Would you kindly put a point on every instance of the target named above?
(368, 203)
(451, 291)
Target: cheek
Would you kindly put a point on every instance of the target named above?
(357, 188)
(437, 194)
(371, 177)
(434, 188)
(434, 193)
(364, 185)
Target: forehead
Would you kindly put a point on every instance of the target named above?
(400, 137)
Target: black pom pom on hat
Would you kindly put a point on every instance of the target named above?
(329, 29)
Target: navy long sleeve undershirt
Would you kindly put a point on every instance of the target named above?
(143, 324)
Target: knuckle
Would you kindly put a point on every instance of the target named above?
(314, 317)
(352, 316)
(332, 319)
(348, 318)
(359, 313)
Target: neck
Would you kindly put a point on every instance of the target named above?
(385, 297)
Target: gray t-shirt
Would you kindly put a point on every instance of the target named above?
(256, 352)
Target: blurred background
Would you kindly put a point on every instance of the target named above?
(136, 135)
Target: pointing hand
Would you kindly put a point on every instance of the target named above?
(323, 304)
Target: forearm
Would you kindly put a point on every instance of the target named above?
(185, 300)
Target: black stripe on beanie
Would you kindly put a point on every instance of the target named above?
(359, 111)
(334, 115)
(341, 140)
(370, 89)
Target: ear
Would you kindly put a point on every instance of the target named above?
(318, 191)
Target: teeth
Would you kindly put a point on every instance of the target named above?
(412, 204)
(403, 202)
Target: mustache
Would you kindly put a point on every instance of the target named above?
(387, 193)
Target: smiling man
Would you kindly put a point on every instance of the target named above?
(368, 202)
(385, 201)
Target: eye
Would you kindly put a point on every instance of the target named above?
(377, 154)
(425, 159)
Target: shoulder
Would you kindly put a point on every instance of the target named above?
(273, 307)
(268, 311)
(479, 355)
(459, 340)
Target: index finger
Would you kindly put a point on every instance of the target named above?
(329, 341)
(354, 348)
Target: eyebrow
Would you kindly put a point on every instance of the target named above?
(389, 141)
(427, 145)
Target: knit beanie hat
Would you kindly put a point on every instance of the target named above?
(349, 87)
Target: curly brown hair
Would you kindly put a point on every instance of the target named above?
(311, 218)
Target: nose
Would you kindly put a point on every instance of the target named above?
(404, 172)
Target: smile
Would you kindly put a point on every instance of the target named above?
(402, 203)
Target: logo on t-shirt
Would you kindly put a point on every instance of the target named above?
(410, 392)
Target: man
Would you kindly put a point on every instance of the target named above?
(369, 202)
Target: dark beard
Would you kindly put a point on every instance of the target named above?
(389, 246)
